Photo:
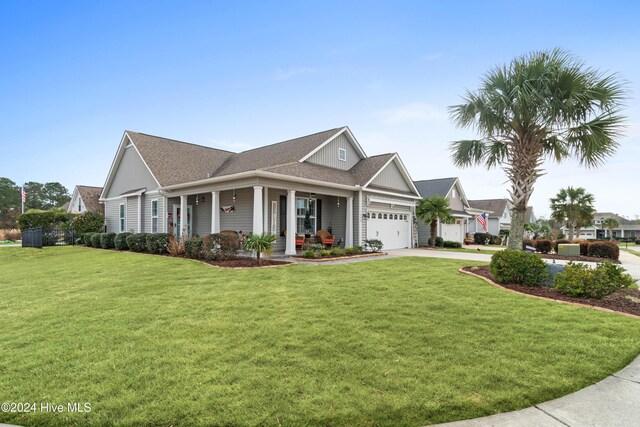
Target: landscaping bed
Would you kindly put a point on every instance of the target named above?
(338, 257)
(624, 301)
(246, 263)
(580, 258)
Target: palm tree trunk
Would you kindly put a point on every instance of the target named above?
(516, 232)
(258, 256)
(434, 224)
(572, 232)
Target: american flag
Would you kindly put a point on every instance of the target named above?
(23, 194)
(482, 219)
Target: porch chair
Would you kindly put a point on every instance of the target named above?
(326, 239)
(299, 241)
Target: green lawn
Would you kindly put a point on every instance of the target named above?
(151, 340)
(474, 251)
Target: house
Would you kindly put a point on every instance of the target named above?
(626, 228)
(462, 212)
(499, 215)
(85, 199)
(153, 180)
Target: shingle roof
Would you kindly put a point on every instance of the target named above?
(175, 162)
(364, 170)
(433, 187)
(621, 220)
(497, 206)
(90, 198)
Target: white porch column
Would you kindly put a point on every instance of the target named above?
(165, 217)
(215, 212)
(360, 220)
(265, 210)
(291, 223)
(348, 238)
(184, 219)
(257, 209)
(139, 213)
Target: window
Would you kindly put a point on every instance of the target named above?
(342, 154)
(122, 218)
(79, 204)
(154, 216)
(379, 216)
(453, 193)
(302, 206)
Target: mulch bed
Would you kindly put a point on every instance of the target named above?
(339, 257)
(246, 263)
(577, 258)
(624, 301)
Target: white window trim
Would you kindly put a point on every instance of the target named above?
(314, 217)
(154, 217)
(120, 218)
(342, 154)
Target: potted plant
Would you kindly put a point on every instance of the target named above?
(307, 223)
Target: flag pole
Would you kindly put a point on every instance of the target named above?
(22, 197)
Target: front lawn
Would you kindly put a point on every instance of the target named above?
(153, 340)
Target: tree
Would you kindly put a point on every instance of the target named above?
(434, 209)
(610, 223)
(45, 196)
(573, 207)
(538, 229)
(260, 243)
(9, 204)
(544, 105)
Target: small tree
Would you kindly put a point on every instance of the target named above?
(610, 223)
(434, 209)
(88, 222)
(574, 208)
(260, 243)
(307, 221)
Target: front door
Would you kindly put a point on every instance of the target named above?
(177, 225)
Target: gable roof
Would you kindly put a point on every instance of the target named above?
(605, 215)
(497, 206)
(90, 197)
(433, 187)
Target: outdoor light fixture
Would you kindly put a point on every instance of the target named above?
(234, 196)
(197, 199)
(338, 201)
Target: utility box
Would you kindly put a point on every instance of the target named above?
(569, 249)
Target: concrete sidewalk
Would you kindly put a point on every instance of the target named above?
(613, 402)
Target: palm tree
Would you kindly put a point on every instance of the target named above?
(542, 105)
(434, 209)
(260, 243)
(574, 208)
(610, 223)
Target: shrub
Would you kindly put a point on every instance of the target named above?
(88, 222)
(120, 242)
(137, 242)
(523, 268)
(543, 246)
(96, 239)
(193, 248)
(357, 249)
(10, 235)
(309, 253)
(559, 242)
(36, 218)
(337, 251)
(373, 245)
(495, 240)
(638, 242)
(157, 243)
(451, 244)
(107, 240)
(439, 241)
(221, 246)
(175, 245)
(86, 239)
(260, 243)
(325, 253)
(584, 248)
(578, 280)
(528, 242)
(348, 251)
(481, 238)
(604, 250)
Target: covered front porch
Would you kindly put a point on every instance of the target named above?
(264, 208)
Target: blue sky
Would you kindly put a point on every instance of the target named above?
(237, 75)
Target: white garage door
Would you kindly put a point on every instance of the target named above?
(392, 229)
(452, 232)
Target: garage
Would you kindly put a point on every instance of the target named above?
(452, 232)
(391, 228)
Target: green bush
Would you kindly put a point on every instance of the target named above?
(638, 242)
(451, 244)
(157, 243)
(481, 238)
(325, 253)
(543, 246)
(86, 239)
(36, 218)
(348, 251)
(373, 245)
(193, 248)
(337, 251)
(309, 253)
(96, 240)
(584, 248)
(579, 280)
(107, 240)
(559, 242)
(519, 267)
(604, 250)
(88, 222)
(220, 246)
(357, 249)
(120, 242)
(439, 242)
(137, 242)
(495, 240)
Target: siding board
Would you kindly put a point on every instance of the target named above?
(328, 155)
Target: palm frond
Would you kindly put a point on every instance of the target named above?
(468, 152)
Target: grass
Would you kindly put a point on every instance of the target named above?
(472, 251)
(636, 253)
(152, 340)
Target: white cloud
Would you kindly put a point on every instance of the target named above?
(281, 74)
(414, 112)
(437, 57)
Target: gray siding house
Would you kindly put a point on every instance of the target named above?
(451, 189)
(153, 181)
(85, 199)
(499, 212)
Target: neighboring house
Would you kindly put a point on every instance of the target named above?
(85, 199)
(499, 215)
(627, 228)
(153, 180)
(450, 189)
